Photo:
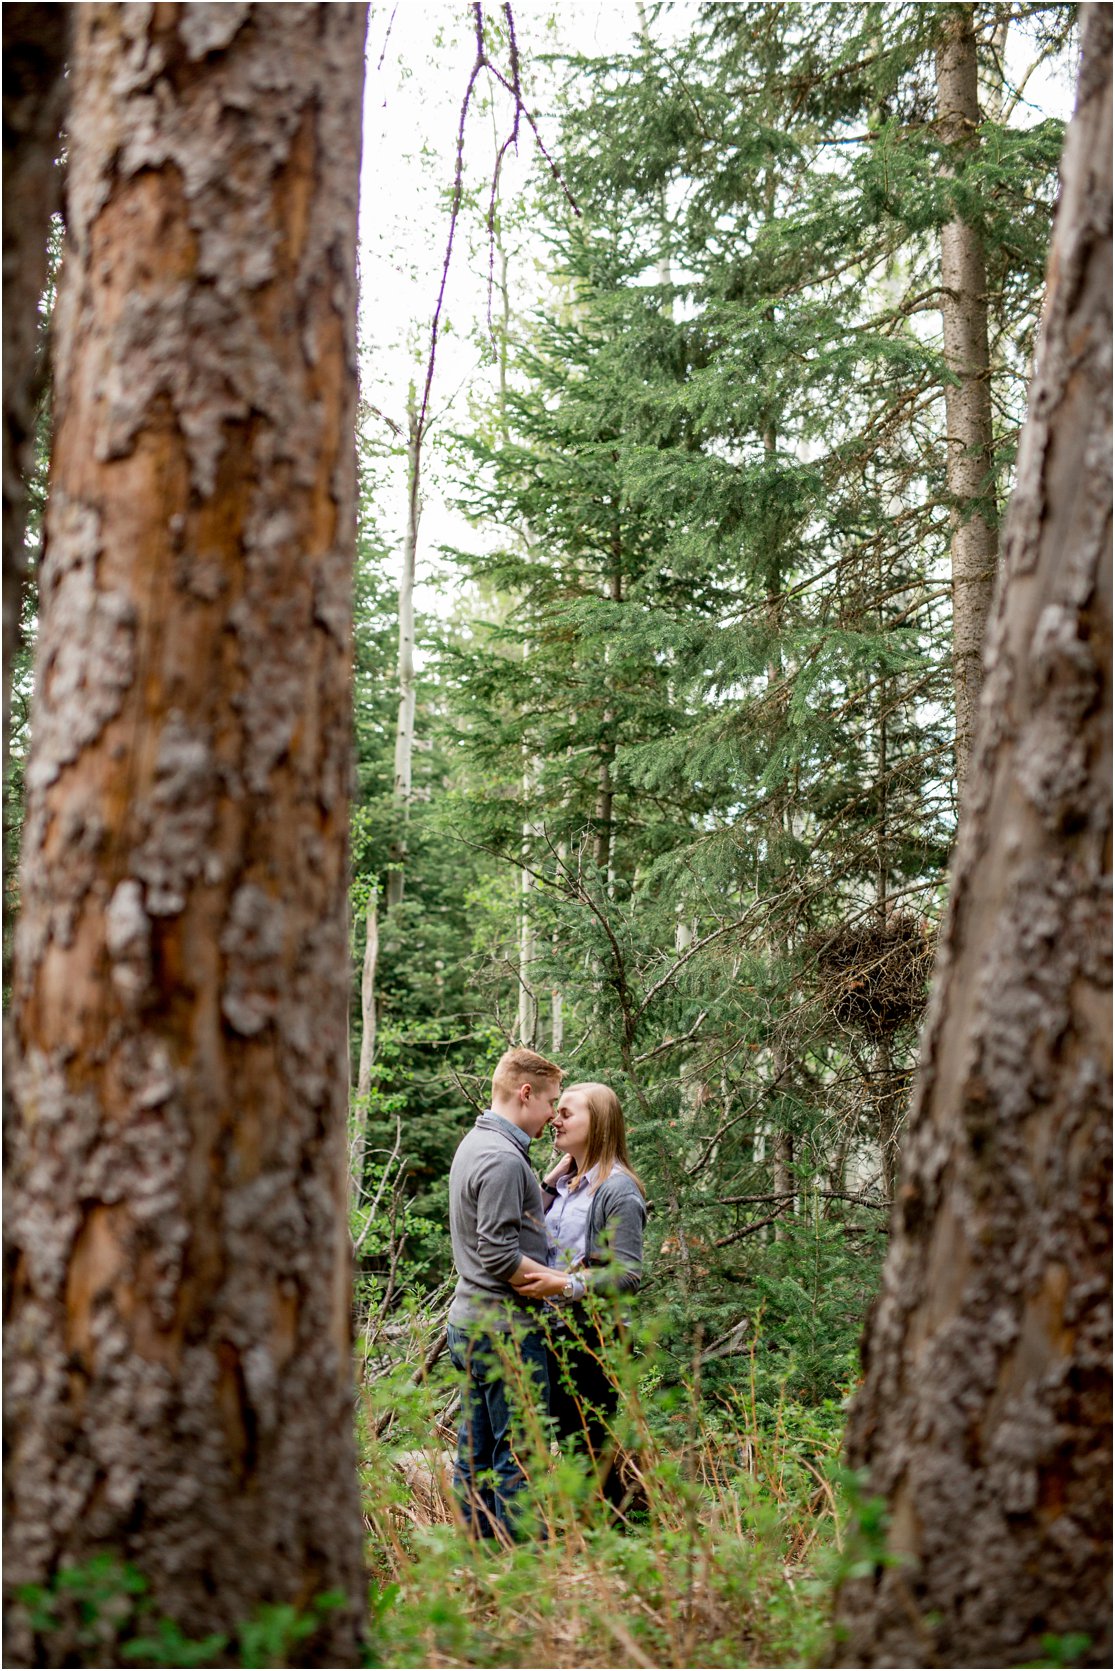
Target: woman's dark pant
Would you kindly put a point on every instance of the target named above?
(584, 1399)
(487, 1478)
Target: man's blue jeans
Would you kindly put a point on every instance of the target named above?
(487, 1478)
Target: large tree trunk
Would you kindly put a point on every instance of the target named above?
(177, 1356)
(36, 41)
(968, 438)
(984, 1417)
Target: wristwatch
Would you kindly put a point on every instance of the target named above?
(574, 1289)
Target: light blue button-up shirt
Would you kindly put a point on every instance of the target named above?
(509, 1126)
(567, 1222)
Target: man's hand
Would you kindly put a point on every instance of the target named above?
(536, 1280)
(541, 1284)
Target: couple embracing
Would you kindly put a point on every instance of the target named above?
(528, 1254)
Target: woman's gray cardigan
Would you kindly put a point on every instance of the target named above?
(614, 1236)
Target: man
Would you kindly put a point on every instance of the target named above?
(497, 1225)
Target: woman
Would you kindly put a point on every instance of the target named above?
(596, 1211)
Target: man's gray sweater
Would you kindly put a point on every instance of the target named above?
(495, 1217)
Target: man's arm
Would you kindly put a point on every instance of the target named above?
(500, 1200)
(499, 1218)
(537, 1280)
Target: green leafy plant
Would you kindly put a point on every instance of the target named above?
(108, 1600)
(1069, 1649)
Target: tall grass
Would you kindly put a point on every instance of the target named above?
(735, 1529)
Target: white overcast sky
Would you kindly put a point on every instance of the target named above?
(420, 54)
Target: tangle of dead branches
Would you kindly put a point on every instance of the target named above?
(875, 976)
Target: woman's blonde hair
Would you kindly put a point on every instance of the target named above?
(607, 1134)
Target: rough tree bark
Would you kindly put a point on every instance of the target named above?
(968, 437)
(177, 1355)
(984, 1417)
(36, 41)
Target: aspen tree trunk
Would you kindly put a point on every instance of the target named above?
(691, 1088)
(404, 728)
(603, 855)
(527, 1022)
(177, 1352)
(888, 1085)
(993, 91)
(557, 1002)
(557, 1022)
(526, 1025)
(368, 995)
(984, 1417)
(36, 42)
(888, 1095)
(782, 1144)
(783, 1179)
(968, 437)
(358, 1148)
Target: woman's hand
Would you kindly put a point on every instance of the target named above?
(541, 1284)
(564, 1167)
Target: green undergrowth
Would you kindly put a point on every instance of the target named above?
(740, 1523)
(102, 1611)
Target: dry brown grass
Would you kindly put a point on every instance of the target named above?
(721, 1568)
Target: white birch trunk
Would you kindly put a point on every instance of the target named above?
(36, 43)
(404, 728)
(974, 544)
(527, 1023)
(368, 996)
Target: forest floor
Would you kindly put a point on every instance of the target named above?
(745, 1525)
